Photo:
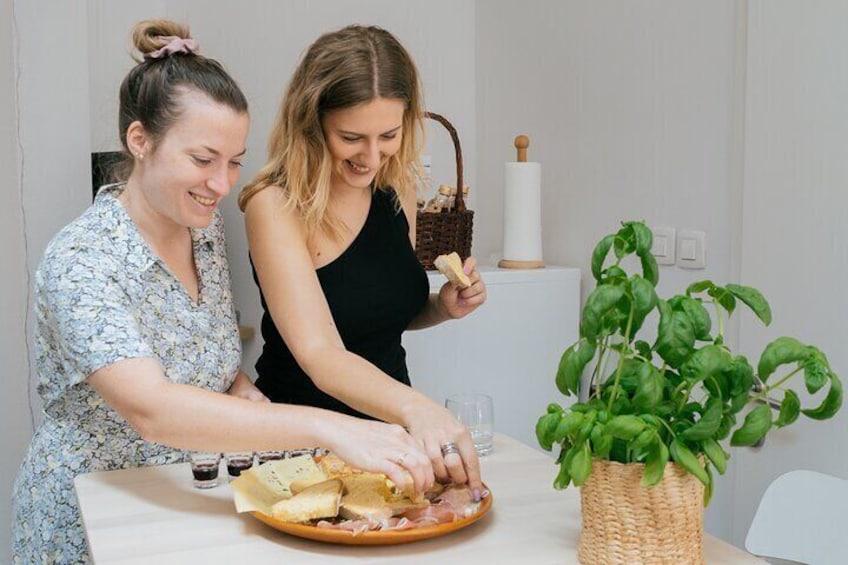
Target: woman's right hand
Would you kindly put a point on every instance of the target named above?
(383, 448)
(436, 429)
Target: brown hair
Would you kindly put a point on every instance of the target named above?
(341, 69)
(152, 90)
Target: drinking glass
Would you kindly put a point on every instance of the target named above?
(269, 455)
(238, 462)
(204, 468)
(477, 413)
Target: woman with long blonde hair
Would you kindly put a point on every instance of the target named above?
(331, 228)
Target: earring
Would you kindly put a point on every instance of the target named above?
(140, 156)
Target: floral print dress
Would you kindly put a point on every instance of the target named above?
(101, 296)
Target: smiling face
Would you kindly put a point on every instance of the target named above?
(184, 175)
(361, 139)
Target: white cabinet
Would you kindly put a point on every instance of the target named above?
(508, 348)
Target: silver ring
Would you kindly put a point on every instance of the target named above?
(401, 459)
(448, 448)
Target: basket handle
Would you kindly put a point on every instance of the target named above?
(459, 203)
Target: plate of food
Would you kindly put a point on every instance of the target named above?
(325, 500)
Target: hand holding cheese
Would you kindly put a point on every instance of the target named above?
(451, 267)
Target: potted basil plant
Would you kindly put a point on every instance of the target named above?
(645, 443)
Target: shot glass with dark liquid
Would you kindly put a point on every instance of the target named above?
(299, 452)
(204, 468)
(271, 455)
(238, 462)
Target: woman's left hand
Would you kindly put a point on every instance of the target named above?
(457, 303)
(243, 387)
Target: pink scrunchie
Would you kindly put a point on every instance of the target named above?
(175, 45)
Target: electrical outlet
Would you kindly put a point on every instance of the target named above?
(663, 248)
(691, 249)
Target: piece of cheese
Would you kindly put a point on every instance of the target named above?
(260, 487)
(451, 266)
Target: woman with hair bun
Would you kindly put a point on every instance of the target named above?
(331, 228)
(136, 337)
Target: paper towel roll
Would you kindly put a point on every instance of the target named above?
(523, 214)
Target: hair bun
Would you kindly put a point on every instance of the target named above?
(156, 38)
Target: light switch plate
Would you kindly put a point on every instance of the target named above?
(663, 248)
(691, 249)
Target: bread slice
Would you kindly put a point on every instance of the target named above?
(320, 500)
(451, 267)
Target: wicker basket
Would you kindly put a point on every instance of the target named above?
(440, 233)
(626, 523)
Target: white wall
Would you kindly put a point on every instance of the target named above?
(261, 53)
(45, 171)
(796, 216)
(14, 414)
(630, 108)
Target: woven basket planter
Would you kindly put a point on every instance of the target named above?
(626, 523)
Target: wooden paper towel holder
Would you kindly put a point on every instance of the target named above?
(522, 142)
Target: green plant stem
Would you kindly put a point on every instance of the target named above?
(602, 362)
(781, 381)
(615, 386)
(720, 320)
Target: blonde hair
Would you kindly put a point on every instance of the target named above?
(341, 69)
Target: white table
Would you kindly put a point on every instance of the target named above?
(154, 515)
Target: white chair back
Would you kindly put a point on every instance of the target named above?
(802, 517)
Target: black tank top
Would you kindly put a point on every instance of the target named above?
(374, 289)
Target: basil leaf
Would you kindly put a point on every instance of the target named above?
(675, 335)
(655, 464)
(684, 457)
(644, 237)
(816, 370)
(724, 298)
(709, 423)
(650, 269)
(700, 318)
(649, 388)
(790, 408)
(644, 439)
(553, 407)
(740, 376)
(831, 403)
(602, 300)
(755, 427)
(754, 299)
(545, 428)
(624, 427)
(581, 464)
(699, 286)
(644, 301)
(571, 366)
(781, 351)
(601, 442)
(624, 242)
(706, 362)
(727, 423)
(708, 491)
(563, 478)
(599, 255)
(715, 454)
(643, 348)
(568, 424)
